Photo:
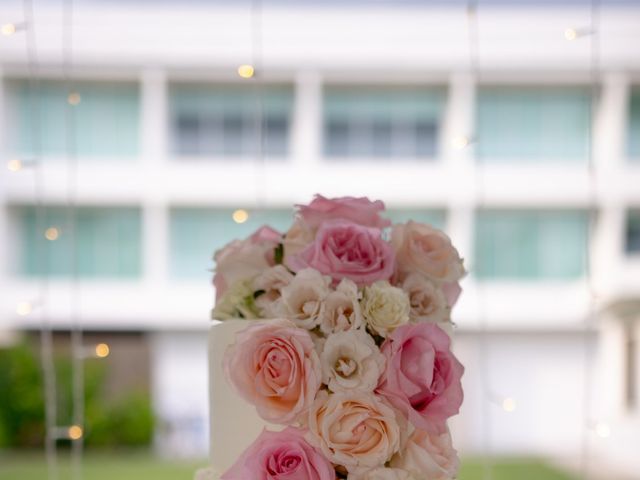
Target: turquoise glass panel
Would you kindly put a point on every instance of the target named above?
(527, 124)
(531, 245)
(633, 134)
(376, 122)
(196, 233)
(95, 242)
(104, 124)
(223, 120)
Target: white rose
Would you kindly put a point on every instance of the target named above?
(236, 302)
(341, 309)
(351, 361)
(271, 281)
(385, 307)
(427, 300)
(301, 300)
(384, 473)
(430, 455)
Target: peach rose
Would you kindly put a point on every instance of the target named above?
(274, 366)
(356, 430)
(427, 250)
(428, 455)
(356, 210)
(302, 299)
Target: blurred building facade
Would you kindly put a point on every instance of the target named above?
(502, 127)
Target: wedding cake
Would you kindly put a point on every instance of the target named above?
(329, 353)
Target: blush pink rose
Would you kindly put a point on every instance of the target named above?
(284, 455)
(428, 455)
(346, 250)
(244, 259)
(452, 291)
(357, 210)
(274, 366)
(422, 376)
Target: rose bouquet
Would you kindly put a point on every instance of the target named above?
(348, 349)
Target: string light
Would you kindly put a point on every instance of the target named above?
(14, 165)
(75, 432)
(461, 141)
(509, 405)
(240, 216)
(8, 29)
(602, 429)
(246, 71)
(74, 98)
(102, 350)
(51, 234)
(570, 34)
(24, 308)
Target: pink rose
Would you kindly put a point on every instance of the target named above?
(244, 259)
(357, 210)
(284, 455)
(427, 250)
(422, 377)
(452, 291)
(274, 366)
(428, 455)
(345, 250)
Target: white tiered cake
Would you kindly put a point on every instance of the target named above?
(234, 423)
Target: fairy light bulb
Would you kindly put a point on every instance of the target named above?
(570, 34)
(75, 432)
(24, 308)
(603, 430)
(240, 216)
(74, 99)
(51, 234)
(102, 350)
(14, 165)
(460, 142)
(8, 29)
(509, 405)
(246, 71)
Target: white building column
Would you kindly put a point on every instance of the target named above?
(306, 131)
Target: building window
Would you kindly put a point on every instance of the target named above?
(95, 242)
(634, 125)
(435, 218)
(196, 233)
(382, 123)
(632, 244)
(533, 124)
(105, 121)
(530, 245)
(220, 121)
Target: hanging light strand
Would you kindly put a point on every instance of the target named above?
(41, 252)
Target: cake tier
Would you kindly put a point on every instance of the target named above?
(234, 423)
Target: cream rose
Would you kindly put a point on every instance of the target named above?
(341, 309)
(274, 366)
(356, 430)
(299, 236)
(268, 287)
(430, 455)
(384, 307)
(427, 300)
(302, 299)
(351, 361)
(422, 248)
(385, 473)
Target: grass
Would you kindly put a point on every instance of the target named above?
(136, 466)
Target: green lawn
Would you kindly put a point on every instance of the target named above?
(128, 466)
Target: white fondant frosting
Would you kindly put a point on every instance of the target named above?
(234, 423)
